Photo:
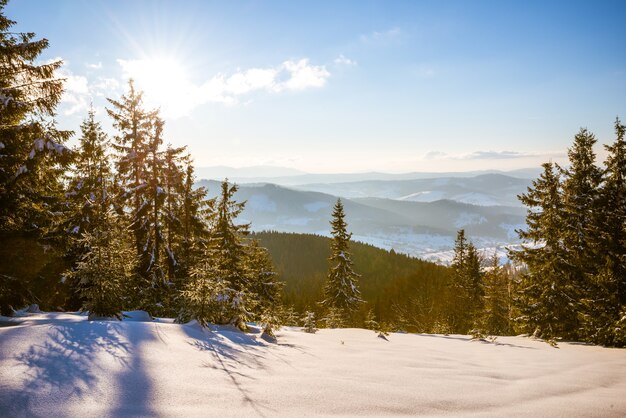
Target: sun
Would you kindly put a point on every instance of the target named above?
(163, 79)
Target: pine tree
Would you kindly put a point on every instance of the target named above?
(106, 268)
(611, 214)
(309, 322)
(603, 305)
(150, 180)
(580, 202)
(496, 319)
(341, 292)
(264, 285)
(32, 154)
(545, 298)
(195, 213)
(223, 274)
(466, 287)
(88, 196)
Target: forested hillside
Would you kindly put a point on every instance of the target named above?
(388, 280)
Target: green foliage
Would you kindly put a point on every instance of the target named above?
(574, 258)
(32, 154)
(341, 293)
(466, 288)
(497, 302)
(105, 270)
(389, 282)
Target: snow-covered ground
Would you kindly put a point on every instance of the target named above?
(61, 365)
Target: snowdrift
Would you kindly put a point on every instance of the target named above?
(62, 365)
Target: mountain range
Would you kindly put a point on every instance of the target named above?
(394, 214)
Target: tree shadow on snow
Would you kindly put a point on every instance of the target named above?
(471, 340)
(231, 349)
(62, 367)
(134, 386)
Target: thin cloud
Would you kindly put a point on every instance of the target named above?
(383, 37)
(490, 155)
(495, 155)
(94, 66)
(178, 95)
(342, 60)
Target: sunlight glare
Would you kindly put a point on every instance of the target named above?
(164, 81)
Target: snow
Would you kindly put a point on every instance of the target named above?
(425, 196)
(479, 199)
(1, 145)
(466, 218)
(60, 364)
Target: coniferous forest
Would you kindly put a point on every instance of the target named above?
(115, 223)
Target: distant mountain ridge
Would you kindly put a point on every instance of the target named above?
(291, 177)
(423, 229)
(483, 190)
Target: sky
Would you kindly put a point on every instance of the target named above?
(349, 86)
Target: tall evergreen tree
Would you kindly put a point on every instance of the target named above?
(88, 196)
(341, 291)
(496, 319)
(610, 217)
(580, 202)
(195, 213)
(106, 267)
(545, 297)
(150, 181)
(220, 287)
(32, 155)
(603, 317)
(466, 288)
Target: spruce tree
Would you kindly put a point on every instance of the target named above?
(603, 304)
(150, 182)
(32, 154)
(497, 304)
(580, 202)
(610, 219)
(221, 283)
(466, 287)
(264, 285)
(88, 196)
(106, 267)
(545, 298)
(341, 293)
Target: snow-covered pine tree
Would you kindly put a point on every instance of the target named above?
(544, 297)
(106, 268)
(195, 214)
(32, 155)
(222, 281)
(88, 196)
(308, 322)
(341, 291)
(264, 285)
(497, 303)
(147, 175)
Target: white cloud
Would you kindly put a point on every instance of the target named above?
(490, 155)
(342, 60)
(302, 75)
(76, 97)
(166, 84)
(383, 37)
(94, 65)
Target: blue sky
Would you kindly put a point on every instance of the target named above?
(349, 86)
